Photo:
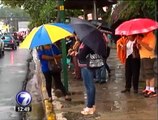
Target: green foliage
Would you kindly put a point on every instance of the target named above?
(106, 16)
(12, 12)
(33, 8)
(48, 12)
(13, 3)
(41, 11)
(128, 9)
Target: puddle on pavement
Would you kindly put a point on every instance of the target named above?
(79, 116)
(112, 106)
(116, 105)
(73, 103)
(77, 102)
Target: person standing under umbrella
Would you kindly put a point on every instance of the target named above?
(132, 63)
(87, 76)
(147, 48)
(92, 42)
(46, 55)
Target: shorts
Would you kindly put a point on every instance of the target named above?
(147, 68)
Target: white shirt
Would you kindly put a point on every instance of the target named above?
(129, 48)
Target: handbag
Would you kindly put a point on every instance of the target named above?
(54, 66)
(94, 61)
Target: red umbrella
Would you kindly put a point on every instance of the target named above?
(136, 26)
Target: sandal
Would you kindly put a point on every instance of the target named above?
(88, 111)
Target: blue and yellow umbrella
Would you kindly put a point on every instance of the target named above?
(46, 34)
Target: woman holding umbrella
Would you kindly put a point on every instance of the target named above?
(92, 42)
(46, 55)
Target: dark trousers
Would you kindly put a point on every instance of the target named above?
(132, 71)
(57, 82)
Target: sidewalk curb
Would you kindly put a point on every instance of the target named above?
(48, 107)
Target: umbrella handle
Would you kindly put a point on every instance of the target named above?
(54, 57)
(55, 60)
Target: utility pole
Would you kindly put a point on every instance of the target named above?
(61, 13)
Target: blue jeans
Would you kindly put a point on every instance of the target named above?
(87, 76)
(100, 74)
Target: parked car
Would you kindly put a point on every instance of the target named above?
(1, 48)
(9, 41)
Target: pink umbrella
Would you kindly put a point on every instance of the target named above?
(136, 26)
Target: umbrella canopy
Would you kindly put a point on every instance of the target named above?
(89, 35)
(136, 26)
(101, 24)
(46, 34)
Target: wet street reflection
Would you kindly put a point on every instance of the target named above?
(13, 69)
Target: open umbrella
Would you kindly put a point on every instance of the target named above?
(89, 35)
(46, 34)
(101, 24)
(136, 26)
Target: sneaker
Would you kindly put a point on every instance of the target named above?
(145, 92)
(88, 111)
(94, 108)
(150, 94)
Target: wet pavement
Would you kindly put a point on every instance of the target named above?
(13, 71)
(37, 112)
(111, 104)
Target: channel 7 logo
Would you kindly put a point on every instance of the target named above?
(23, 99)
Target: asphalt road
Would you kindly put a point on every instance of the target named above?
(13, 70)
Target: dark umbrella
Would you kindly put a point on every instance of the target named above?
(101, 24)
(89, 35)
